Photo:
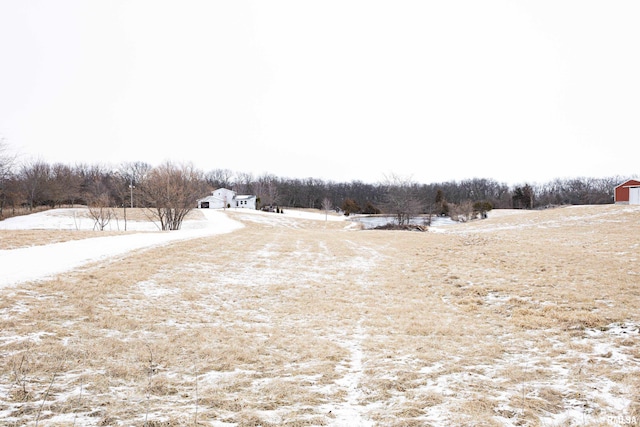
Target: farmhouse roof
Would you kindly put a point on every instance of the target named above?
(629, 183)
(209, 198)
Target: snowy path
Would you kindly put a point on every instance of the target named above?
(351, 411)
(39, 262)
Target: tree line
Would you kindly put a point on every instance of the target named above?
(172, 189)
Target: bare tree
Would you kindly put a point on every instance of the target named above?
(35, 177)
(7, 162)
(326, 207)
(101, 211)
(401, 199)
(243, 183)
(523, 197)
(13, 193)
(171, 192)
(266, 188)
(122, 187)
(64, 185)
(220, 178)
(132, 174)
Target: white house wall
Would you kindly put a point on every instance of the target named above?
(246, 203)
(216, 204)
(224, 195)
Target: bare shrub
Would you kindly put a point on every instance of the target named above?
(101, 212)
(463, 211)
(401, 199)
(171, 191)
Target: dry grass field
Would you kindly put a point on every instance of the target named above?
(529, 319)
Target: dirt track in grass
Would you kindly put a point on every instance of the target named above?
(525, 319)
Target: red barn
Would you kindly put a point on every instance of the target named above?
(627, 193)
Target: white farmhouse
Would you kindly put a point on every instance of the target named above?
(223, 198)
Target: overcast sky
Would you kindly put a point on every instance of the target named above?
(340, 90)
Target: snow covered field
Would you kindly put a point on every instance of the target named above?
(248, 318)
(37, 262)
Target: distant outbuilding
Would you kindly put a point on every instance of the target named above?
(627, 193)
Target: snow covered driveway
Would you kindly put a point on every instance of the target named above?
(39, 262)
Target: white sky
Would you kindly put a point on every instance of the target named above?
(339, 90)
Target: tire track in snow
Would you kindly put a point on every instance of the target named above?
(351, 412)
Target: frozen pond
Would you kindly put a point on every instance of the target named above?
(373, 221)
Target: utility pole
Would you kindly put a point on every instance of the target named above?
(131, 187)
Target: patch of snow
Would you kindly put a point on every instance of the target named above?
(431, 369)
(33, 337)
(150, 289)
(316, 215)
